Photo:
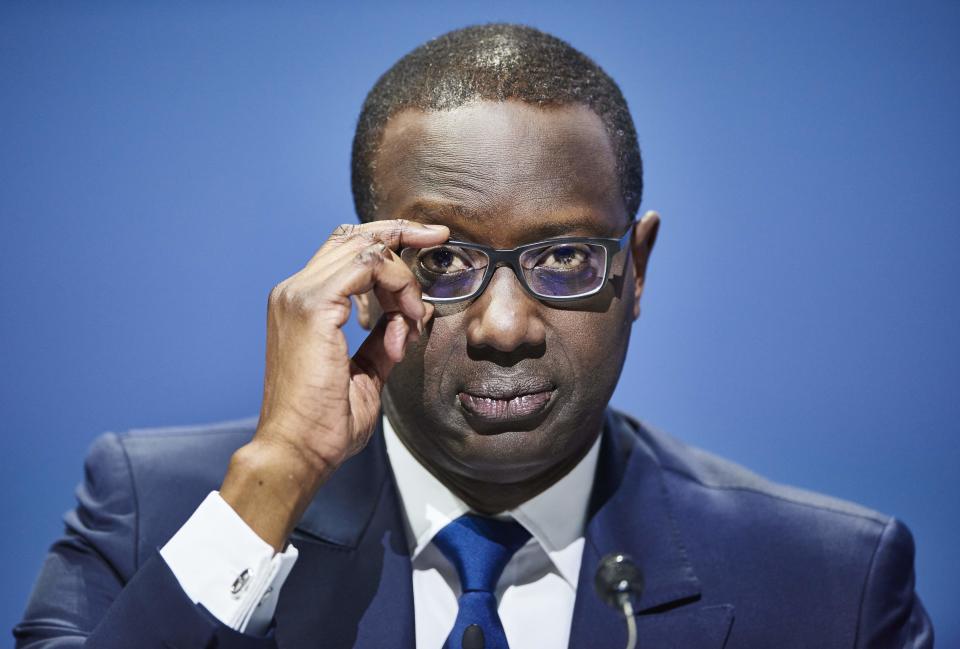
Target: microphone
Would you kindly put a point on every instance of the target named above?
(472, 637)
(619, 583)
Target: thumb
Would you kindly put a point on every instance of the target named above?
(383, 348)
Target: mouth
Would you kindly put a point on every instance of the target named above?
(500, 405)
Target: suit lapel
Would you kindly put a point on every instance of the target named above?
(352, 585)
(630, 513)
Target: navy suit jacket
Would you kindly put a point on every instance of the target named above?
(730, 560)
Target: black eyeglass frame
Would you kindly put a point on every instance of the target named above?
(511, 257)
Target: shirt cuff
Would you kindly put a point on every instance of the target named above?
(223, 565)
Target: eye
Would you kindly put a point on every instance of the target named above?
(444, 260)
(563, 257)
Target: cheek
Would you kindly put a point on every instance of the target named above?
(596, 344)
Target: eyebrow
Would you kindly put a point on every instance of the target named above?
(443, 213)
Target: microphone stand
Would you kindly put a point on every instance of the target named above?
(618, 581)
(631, 622)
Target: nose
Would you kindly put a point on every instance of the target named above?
(505, 317)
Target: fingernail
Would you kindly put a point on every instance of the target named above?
(434, 226)
(420, 326)
(412, 336)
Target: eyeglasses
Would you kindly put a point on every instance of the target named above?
(570, 268)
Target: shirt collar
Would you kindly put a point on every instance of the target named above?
(555, 517)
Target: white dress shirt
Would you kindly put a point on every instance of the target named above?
(537, 589)
(224, 566)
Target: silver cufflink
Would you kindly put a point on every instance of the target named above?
(240, 583)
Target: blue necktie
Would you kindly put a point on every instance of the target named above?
(479, 548)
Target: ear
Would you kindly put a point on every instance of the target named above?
(644, 236)
(368, 309)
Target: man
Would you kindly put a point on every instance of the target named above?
(458, 480)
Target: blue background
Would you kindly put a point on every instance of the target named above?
(163, 165)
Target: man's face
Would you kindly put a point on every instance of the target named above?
(507, 388)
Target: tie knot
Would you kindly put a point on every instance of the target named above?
(479, 548)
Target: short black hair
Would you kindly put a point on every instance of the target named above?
(496, 62)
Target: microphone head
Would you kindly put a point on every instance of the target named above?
(472, 637)
(618, 578)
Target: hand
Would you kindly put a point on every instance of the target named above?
(319, 405)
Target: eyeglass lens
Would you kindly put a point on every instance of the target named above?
(551, 270)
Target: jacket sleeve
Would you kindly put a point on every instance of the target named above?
(94, 592)
(891, 614)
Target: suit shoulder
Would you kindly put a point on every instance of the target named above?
(140, 485)
(172, 469)
(183, 450)
(173, 435)
(120, 463)
(712, 472)
(184, 457)
(836, 566)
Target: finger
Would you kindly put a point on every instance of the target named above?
(395, 336)
(429, 310)
(390, 279)
(345, 250)
(381, 350)
(394, 272)
(394, 233)
(419, 327)
(327, 296)
(402, 302)
(386, 344)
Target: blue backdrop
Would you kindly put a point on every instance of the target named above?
(162, 165)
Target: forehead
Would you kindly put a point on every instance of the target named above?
(501, 172)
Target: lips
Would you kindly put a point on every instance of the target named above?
(517, 407)
(504, 401)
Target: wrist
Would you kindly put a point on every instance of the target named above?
(301, 442)
(270, 485)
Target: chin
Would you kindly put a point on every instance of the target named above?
(507, 456)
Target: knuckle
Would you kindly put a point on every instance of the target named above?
(344, 231)
(368, 236)
(396, 232)
(289, 299)
(306, 303)
(371, 256)
(286, 298)
(277, 294)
